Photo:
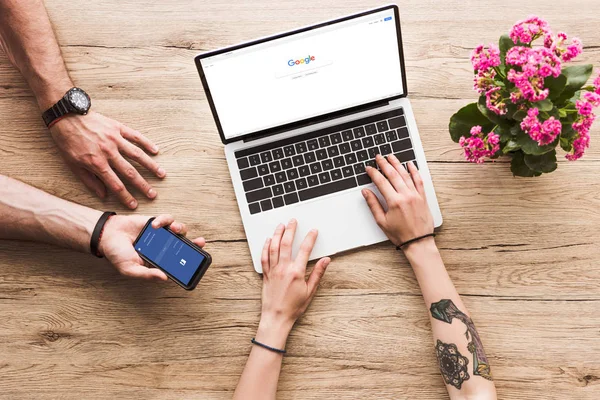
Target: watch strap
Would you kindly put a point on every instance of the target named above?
(97, 233)
(57, 111)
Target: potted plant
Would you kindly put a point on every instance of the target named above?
(530, 102)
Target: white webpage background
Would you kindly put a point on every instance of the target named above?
(356, 62)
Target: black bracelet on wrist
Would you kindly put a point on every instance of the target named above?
(264, 346)
(97, 233)
(399, 247)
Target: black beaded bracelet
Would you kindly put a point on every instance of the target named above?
(399, 247)
(264, 346)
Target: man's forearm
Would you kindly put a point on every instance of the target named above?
(27, 213)
(27, 37)
(462, 360)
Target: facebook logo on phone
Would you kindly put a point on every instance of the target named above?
(170, 253)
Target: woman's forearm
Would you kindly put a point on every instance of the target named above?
(261, 374)
(27, 213)
(462, 360)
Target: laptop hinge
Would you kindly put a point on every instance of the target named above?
(316, 120)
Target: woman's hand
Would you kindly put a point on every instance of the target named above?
(286, 292)
(117, 240)
(407, 215)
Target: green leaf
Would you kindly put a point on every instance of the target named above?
(511, 145)
(466, 118)
(566, 144)
(542, 163)
(504, 132)
(530, 146)
(577, 76)
(544, 105)
(505, 44)
(519, 168)
(556, 85)
(520, 115)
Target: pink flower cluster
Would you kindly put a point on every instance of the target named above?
(536, 65)
(584, 121)
(557, 46)
(494, 101)
(478, 145)
(528, 30)
(542, 132)
(484, 60)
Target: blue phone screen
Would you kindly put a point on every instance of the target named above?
(170, 253)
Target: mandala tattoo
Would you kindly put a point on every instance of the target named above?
(445, 311)
(452, 364)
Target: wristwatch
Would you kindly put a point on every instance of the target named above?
(74, 101)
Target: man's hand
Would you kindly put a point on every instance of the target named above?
(95, 148)
(117, 240)
(408, 214)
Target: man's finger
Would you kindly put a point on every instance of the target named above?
(135, 137)
(393, 160)
(384, 186)
(137, 154)
(390, 173)
(162, 220)
(285, 250)
(375, 206)
(128, 171)
(179, 228)
(91, 181)
(306, 248)
(316, 275)
(199, 242)
(114, 184)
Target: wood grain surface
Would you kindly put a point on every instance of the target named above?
(523, 253)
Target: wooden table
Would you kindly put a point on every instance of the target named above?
(523, 253)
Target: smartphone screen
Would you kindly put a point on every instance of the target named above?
(170, 253)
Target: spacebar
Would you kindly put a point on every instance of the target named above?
(329, 188)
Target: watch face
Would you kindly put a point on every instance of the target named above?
(80, 100)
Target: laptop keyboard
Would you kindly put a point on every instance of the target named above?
(321, 162)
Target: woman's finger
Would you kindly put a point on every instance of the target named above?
(384, 186)
(391, 173)
(375, 206)
(401, 171)
(285, 250)
(416, 177)
(264, 259)
(306, 248)
(316, 275)
(275, 243)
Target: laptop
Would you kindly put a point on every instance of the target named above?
(301, 114)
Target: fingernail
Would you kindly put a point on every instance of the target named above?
(378, 156)
(151, 193)
(155, 148)
(393, 157)
(292, 221)
(132, 204)
(364, 193)
(314, 231)
(411, 163)
(326, 262)
(161, 172)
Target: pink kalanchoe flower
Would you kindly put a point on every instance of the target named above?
(597, 84)
(573, 50)
(583, 107)
(528, 30)
(494, 101)
(484, 80)
(484, 58)
(579, 146)
(593, 98)
(478, 145)
(543, 133)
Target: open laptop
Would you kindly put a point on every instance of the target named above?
(301, 114)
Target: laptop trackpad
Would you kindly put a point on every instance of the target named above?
(344, 222)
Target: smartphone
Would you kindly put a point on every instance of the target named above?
(176, 256)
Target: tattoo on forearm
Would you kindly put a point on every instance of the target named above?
(452, 364)
(445, 311)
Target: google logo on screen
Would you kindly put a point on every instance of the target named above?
(306, 60)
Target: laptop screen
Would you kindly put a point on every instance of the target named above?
(310, 73)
